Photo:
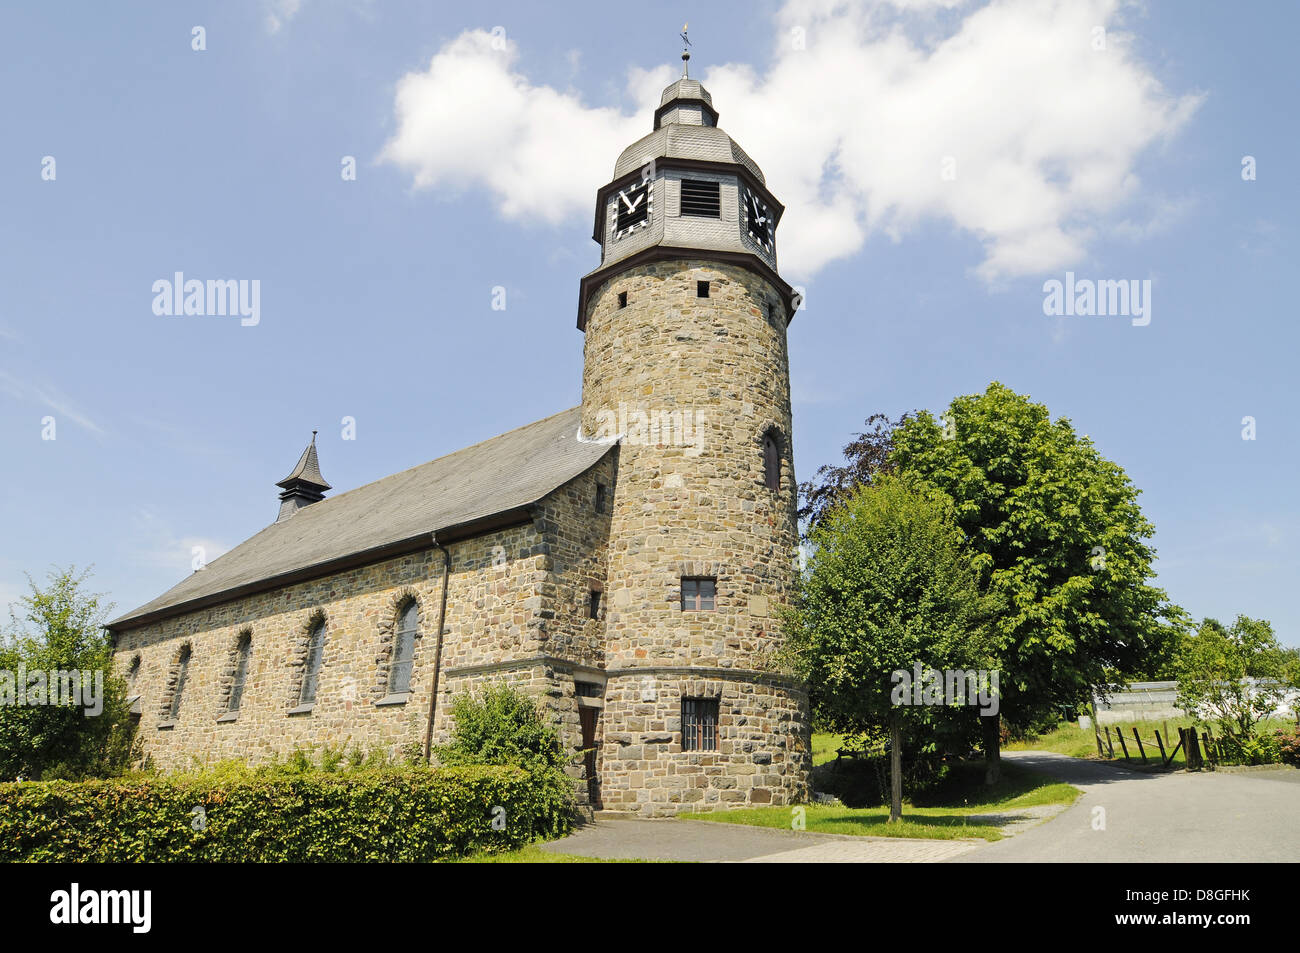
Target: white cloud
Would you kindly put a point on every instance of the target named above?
(852, 129)
(155, 543)
(280, 12)
(50, 397)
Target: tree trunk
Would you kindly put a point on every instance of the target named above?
(992, 729)
(895, 766)
(1096, 727)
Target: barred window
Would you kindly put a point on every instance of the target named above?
(182, 671)
(699, 724)
(242, 652)
(311, 671)
(399, 671)
(699, 594)
(701, 198)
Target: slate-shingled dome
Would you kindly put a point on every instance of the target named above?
(685, 128)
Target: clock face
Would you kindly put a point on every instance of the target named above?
(633, 205)
(758, 220)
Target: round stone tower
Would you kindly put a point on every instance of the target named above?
(685, 363)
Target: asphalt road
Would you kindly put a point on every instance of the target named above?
(1179, 817)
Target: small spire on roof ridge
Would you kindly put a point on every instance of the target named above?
(686, 53)
(305, 485)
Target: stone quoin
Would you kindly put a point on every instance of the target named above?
(629, 581)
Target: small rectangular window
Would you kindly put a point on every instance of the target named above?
(699, 724)
(701, 198)
(699, 594)
(602, 493)
(593, 605)
(701, 289)
(622, 299)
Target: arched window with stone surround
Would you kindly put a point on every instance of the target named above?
(772, 460)
(312, 667)
(403, 660)
(178, 686)
(243, 650)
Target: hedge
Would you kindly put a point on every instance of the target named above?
(385, 815)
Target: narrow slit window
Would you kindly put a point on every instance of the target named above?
(602, 497)
(593, 604)
(772, 461)
(699, 594)
(399, 672)
(622, 299)
(701, 289)
(701, 198)
(699, 724)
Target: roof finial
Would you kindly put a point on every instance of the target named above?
(313, 436)
(686, 53)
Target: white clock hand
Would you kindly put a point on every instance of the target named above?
(629, 205)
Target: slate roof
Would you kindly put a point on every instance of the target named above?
(307, 470)
(485, 480)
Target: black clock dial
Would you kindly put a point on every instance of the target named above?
(759, 220)
(633, 206)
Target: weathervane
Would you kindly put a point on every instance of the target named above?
(686, 53)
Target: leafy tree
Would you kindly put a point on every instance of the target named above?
(866, 455)
(1063, 547)
(60, 628)
(890, 583)
(1237, 676)
(501, 726)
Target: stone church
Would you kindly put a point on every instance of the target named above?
(622, 561)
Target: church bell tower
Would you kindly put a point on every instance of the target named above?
(686, 365)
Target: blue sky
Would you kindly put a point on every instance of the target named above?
(478, 154)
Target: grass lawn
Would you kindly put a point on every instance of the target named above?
(945, 815)
(824, 747)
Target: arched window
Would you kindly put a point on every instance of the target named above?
(399, 671)
(242, 651)
(311, 671)
(182, 671)
(772, 461)
(133, 675)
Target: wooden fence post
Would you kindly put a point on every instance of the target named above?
(1161, 743)
(1119, 732)
(1110, 745)
(1141, 750)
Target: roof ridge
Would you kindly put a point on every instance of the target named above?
(339, 496)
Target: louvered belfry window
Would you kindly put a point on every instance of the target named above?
(699, 724)
(701, 198)
(399, 672)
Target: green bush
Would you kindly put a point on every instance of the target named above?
(502, 726)
(1255, 749)
(1288, 744)
(233, 815)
